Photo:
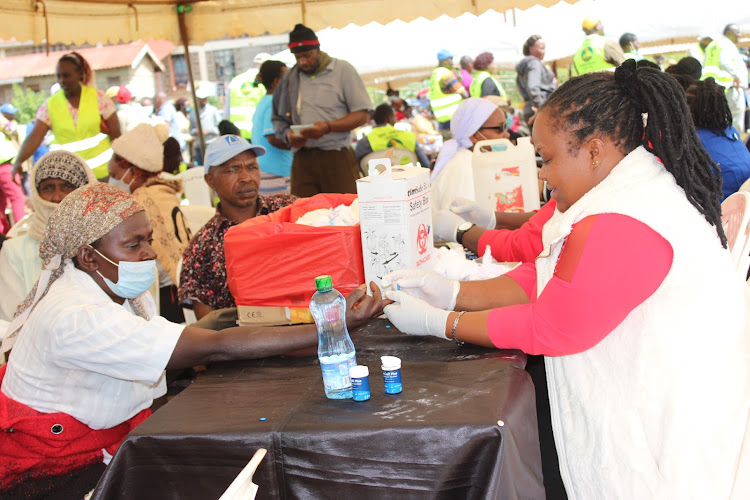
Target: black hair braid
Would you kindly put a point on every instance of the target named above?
(708, 106)
(670, 135)
(612, 105)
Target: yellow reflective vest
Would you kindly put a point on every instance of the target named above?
(8, 150)
(443, 105)
(476, 85)
(84, 137)
(590, 56)
(712, 64)
(243, 99)
(387, 136)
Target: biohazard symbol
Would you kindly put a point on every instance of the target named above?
(587, 53)
(422, 239)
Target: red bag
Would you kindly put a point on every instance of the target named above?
(273, 262)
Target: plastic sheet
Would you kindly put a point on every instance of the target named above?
(273, 262)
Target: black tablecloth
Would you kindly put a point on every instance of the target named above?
(463, 427)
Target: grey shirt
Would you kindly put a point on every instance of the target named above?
(330, 95)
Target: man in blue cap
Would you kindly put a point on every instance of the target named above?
(446, 91)
(232, 171)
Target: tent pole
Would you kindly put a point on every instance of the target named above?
(196, 108)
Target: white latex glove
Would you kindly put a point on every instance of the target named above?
(415, 317)
(471, 211)
(446, 224)
(424, 285)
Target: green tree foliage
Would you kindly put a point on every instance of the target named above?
(27, 103)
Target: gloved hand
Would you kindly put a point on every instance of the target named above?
(415, 317)
(425, 285)
(474, 213)
(446, 223)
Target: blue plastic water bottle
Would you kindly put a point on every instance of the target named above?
(335, 348)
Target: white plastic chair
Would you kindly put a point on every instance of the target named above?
(189, 314)
(243, 488)
(196, 190)
(735, 218)
(399, 157)
(197, 216)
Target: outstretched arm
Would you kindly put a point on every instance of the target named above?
(198, 346)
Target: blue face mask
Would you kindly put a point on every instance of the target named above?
(134, 278)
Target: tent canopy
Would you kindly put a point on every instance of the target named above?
(79, 21)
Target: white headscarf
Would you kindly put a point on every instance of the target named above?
(468, 118)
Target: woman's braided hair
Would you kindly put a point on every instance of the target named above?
(708, 106)
(614, 105)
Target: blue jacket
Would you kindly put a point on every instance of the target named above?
(730, 154)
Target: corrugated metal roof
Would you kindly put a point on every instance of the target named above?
(107, 57)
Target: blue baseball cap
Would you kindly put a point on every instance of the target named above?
(226, 147)
(8, 108)
(445, 54)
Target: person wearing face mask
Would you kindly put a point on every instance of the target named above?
(475, 120)
(328, 96)
(82, 118)
(53, 177)
(135, 166)
(89, 353)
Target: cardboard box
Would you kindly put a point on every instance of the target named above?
(395, 219)
(505, 176)
(272, 316)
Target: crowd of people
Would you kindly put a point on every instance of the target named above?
(624, 271)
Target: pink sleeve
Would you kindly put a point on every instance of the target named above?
(521, 245)
(106, 106)
(610, 264)
(42, 114)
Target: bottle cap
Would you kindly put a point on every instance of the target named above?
(359, 371)
(390, 362)
(323, 283)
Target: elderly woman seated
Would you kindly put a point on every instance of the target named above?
(89, 353)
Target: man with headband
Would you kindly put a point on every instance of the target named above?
(328, 96)
(89, 351)
(53, 177)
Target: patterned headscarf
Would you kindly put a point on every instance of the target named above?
(84, 216)
(59, 164)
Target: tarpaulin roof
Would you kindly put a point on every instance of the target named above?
(79, 21)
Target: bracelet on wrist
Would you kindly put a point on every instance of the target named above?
(455, 325)
(329, 127)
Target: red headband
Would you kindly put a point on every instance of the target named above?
(294, 45)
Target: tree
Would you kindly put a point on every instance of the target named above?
(27, 103)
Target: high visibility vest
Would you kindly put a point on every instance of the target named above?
(84, 137)
(590, 57)
(443, 105)
(387, 136)
(712, 63)
(476, 85)
(8, 150)
(243, 99)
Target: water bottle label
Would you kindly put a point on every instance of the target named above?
(336, 375)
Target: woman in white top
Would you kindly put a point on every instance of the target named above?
(89, 352)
